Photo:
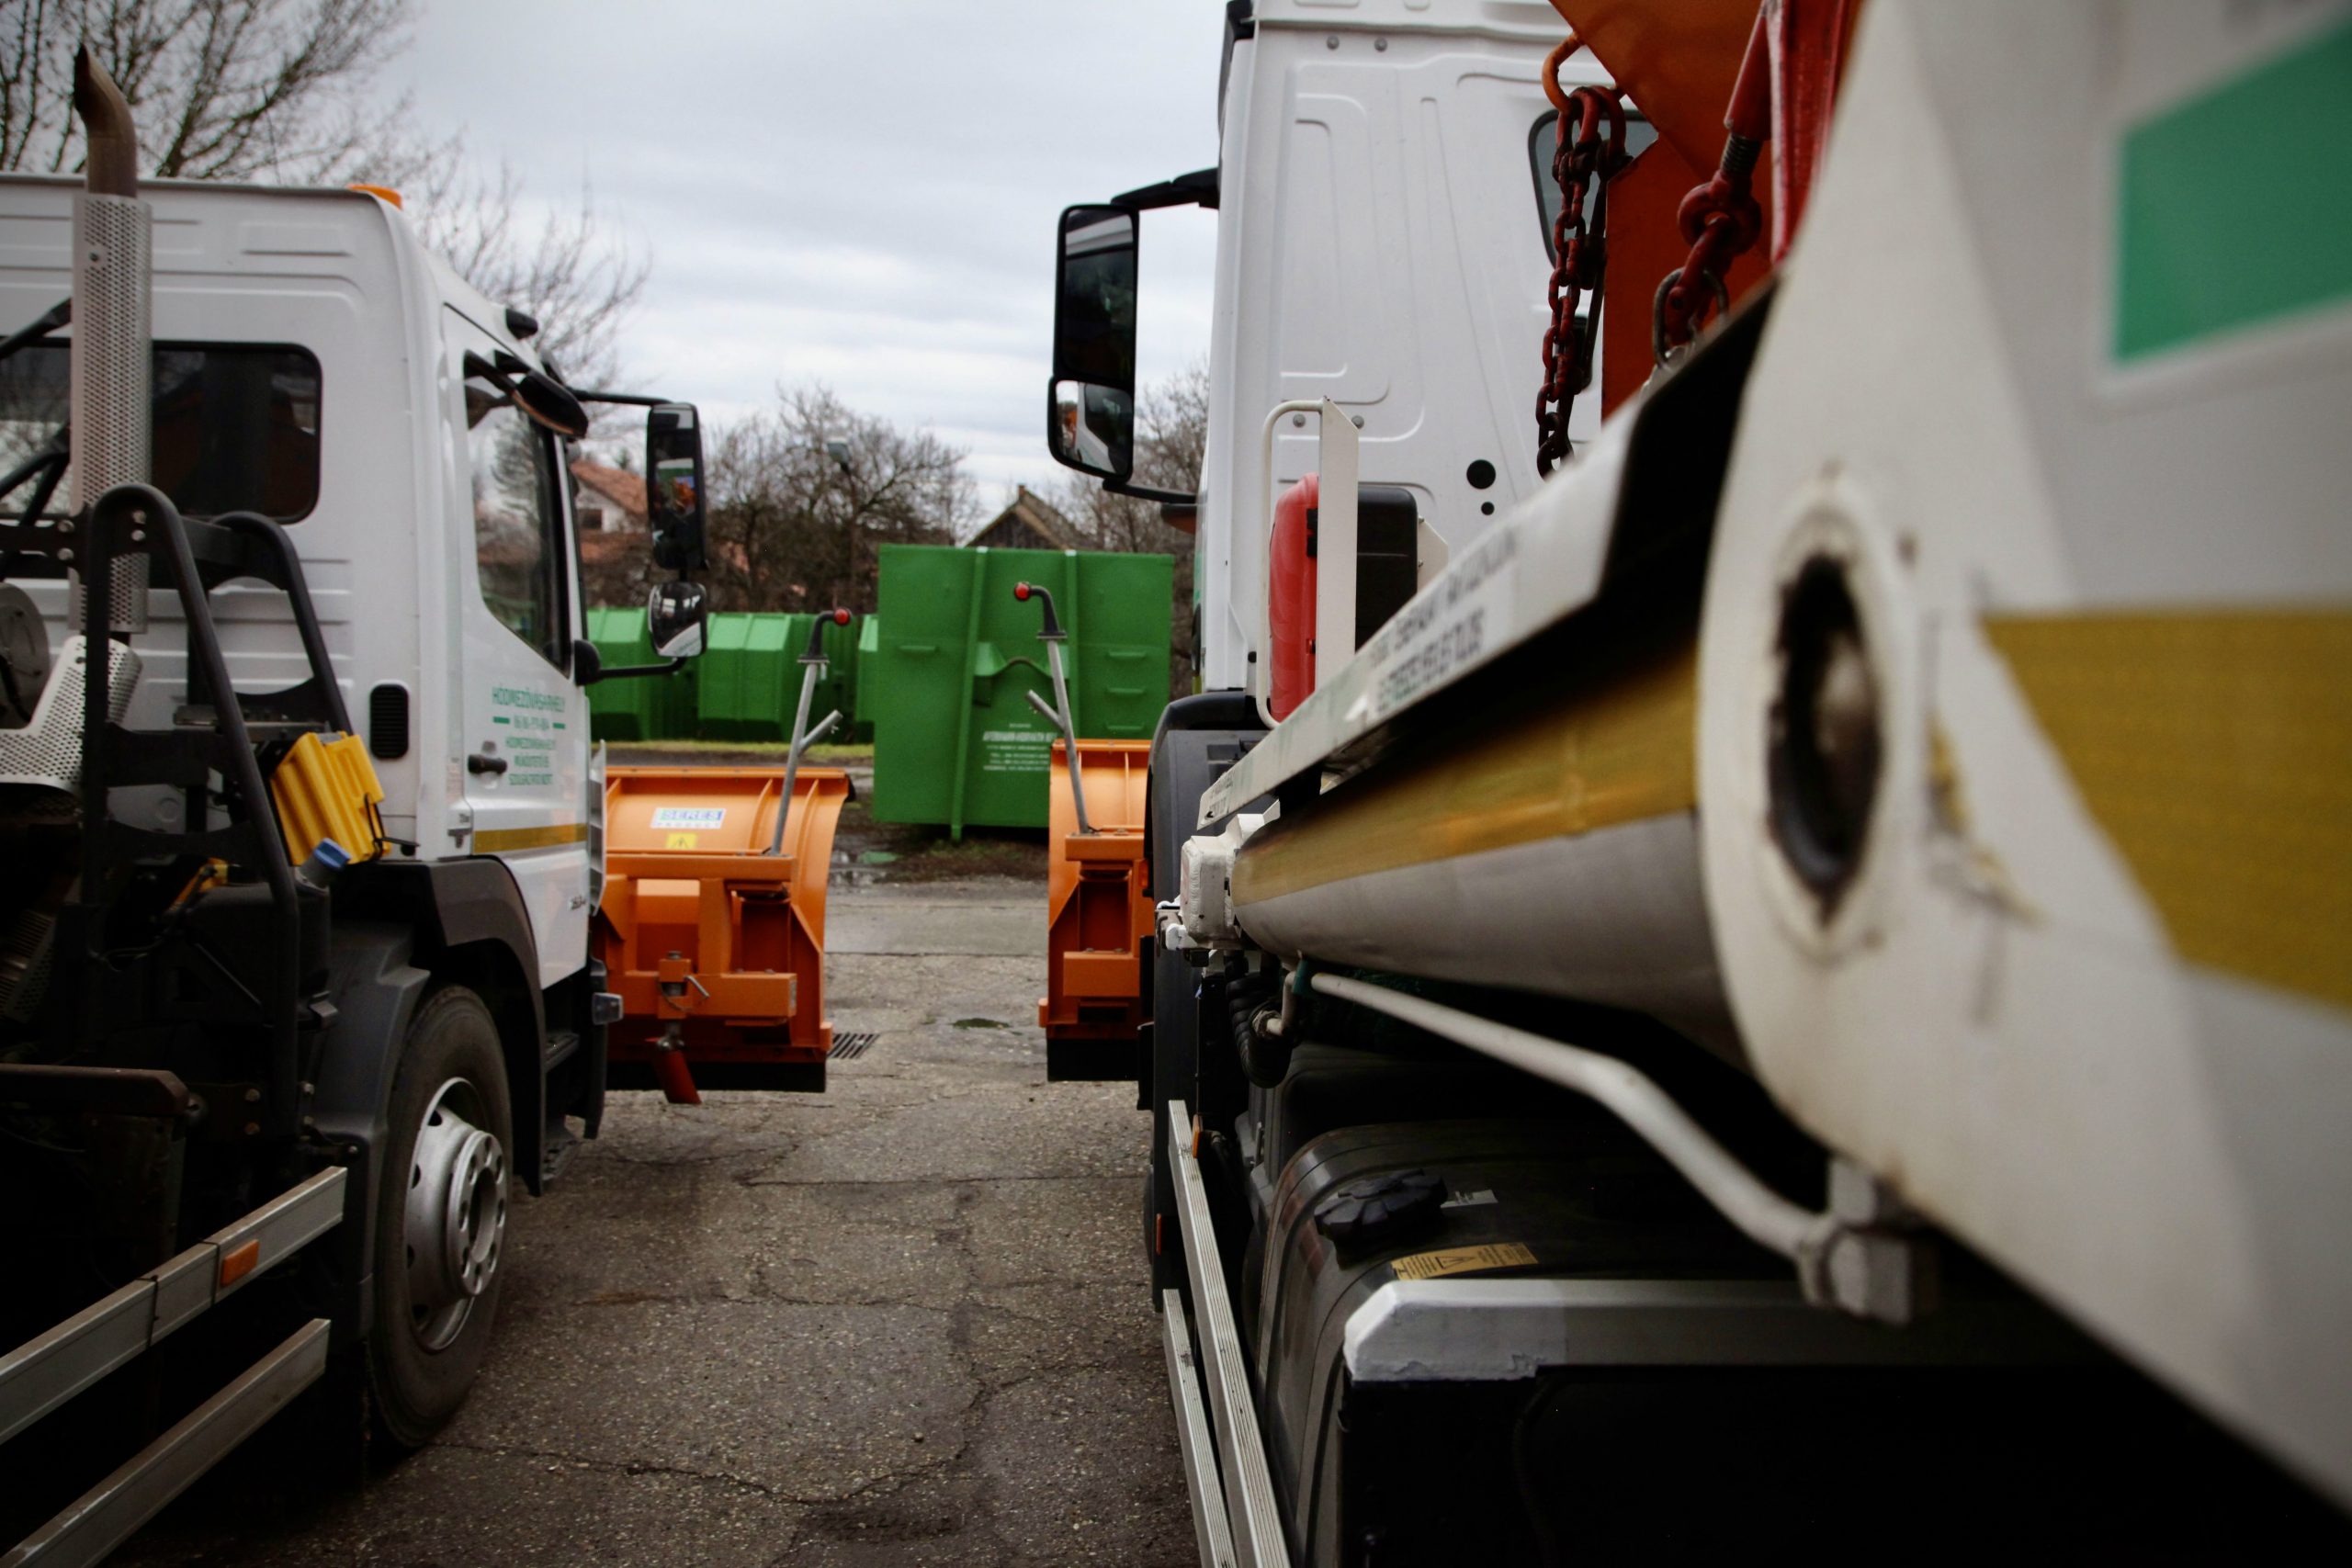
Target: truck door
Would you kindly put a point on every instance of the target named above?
(524, 721)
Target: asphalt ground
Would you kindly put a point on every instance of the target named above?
(902, 1322)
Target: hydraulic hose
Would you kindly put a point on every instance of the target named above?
(1762, 1214)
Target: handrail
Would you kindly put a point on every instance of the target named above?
(1335, 462)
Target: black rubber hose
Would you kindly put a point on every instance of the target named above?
(1265, 1062)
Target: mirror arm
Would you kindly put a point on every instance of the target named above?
(1146, 492)
(625, 672)
(635, 400)
(1198, 188)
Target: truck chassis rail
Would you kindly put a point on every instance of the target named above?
(51, 1368)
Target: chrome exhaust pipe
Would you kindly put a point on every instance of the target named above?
(112, 354)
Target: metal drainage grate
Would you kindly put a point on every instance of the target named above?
(848, 1045)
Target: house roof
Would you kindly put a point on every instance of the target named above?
(623, 488)
(1037, 515)
(599, 546)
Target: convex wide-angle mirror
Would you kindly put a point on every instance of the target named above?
(675, 615)
(1091, 401)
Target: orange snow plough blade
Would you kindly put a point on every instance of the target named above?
(713, 937)
(1098, 903)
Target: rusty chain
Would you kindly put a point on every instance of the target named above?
(1579, 250)
(1722, 220)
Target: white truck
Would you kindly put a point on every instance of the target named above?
(1787, 985)
(296, 961)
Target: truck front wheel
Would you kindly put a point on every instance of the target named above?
(440, 1217)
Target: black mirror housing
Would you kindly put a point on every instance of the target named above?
(675, 615)
(549, 402)
(673, 488)
(1091, 397)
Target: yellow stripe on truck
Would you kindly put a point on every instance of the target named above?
(1614, 752)
(2215, 749)
(499, 840)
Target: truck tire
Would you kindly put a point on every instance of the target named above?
(440, 1217)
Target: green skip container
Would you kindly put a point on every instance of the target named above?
(748, 681)
(837, 691)
(647, 707)
(945, 661)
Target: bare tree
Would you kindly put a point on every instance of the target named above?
(1170, 439)
(284, 90)
(573, 272)
(221, 89)
(795, 526)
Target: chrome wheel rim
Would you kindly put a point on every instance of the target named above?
(455, 1218)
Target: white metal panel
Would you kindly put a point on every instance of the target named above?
(1995, 1019)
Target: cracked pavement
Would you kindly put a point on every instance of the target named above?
(902, 1322)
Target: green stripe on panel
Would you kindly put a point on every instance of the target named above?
(2236, 204)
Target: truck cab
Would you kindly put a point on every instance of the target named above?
(318, 365)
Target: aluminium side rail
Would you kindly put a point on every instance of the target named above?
(49, 1370)
(1248, 1501)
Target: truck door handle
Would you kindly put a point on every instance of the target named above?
(478, 764)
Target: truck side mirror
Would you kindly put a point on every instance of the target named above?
(1091, 398)
(674, 616)
(673, 494)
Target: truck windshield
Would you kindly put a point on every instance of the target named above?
(236, 426)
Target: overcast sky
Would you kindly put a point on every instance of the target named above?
(861, 193)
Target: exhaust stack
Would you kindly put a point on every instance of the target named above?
(112, 357)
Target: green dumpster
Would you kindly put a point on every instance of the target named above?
(748, 677)
(647, 707)
(848, 657)
(952, 654)
(862, 687)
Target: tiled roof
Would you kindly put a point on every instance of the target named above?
(623, 488)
